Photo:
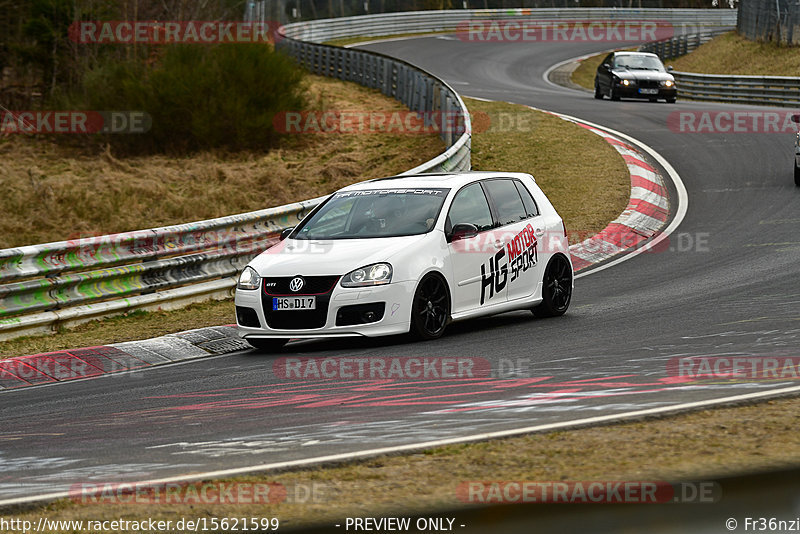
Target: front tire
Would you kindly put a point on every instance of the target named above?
(598, 94)
(430, 309)
(267, 345)
(671, 100)
(796, 175)
(612, 95)
(556, 288)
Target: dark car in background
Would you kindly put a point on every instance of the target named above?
(634, 75)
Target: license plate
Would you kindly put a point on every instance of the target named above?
(649, 91)
(294, 303)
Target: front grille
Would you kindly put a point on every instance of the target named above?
(320, 286)
(314, 285)
(649, 84)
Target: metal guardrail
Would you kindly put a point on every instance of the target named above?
(43, 286)
(760, 90)
(67, 281)
(683, 21)
(681, 45)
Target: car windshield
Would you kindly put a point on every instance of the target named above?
(374, 213)
(639, 62)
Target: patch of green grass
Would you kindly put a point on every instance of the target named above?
(584, 74)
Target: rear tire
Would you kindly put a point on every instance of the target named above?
(556, 288)
(796, 175)
(598, 94)
(267, 345)
(430, 309)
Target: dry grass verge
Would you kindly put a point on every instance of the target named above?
(731, 53)
(56, 193)
(584, 74)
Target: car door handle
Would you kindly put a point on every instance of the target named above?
(499, 244)
(538, 232)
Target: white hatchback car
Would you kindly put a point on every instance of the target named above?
(409, 254)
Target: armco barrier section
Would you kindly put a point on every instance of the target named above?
(67, 281)
(682, 44)
(683, 21)
(43, 286)
(759, 90)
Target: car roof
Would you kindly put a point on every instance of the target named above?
(635, 54)
(448, 180)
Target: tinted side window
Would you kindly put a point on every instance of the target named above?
(506, 200)
(470, 206)
(527, 200)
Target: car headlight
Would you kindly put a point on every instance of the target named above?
(627, 82)
(249, 279)
(667, 83)
(372, 275)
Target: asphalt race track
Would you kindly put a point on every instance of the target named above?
(728, 284)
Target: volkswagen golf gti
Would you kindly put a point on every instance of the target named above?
(409, 254)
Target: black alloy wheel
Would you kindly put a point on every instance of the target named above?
(556, 288)
(430, 310)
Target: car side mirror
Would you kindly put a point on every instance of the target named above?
(607, 66)
(795, 118)
(463, 231)
(285, 232)
(670, 68)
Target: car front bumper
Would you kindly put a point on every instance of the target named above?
(396, 297)
(634, 91)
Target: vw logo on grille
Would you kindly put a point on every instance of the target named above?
(297, 284)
